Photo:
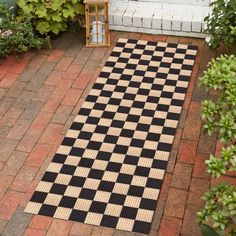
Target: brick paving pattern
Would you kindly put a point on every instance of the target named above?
(41, 93)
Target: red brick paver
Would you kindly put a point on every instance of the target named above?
(170, 226)
(187, 151)
(41, 93)
(34, 232)
(59, 228)
(79, 229)
(8, 204)
(40, 222)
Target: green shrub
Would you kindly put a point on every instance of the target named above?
(220, 116)
(220, 210)
(233, 30)
(220, 23)
(50, 16)
(218, 217)
(17, 37)
(217, 166)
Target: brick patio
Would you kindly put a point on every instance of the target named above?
(41, 93)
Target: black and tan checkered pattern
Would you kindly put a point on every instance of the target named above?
(109, 168)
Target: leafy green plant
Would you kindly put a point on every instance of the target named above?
(217, 166)
(50, 16)
(233, 30)
(220, 210)
(221, 115)
(206, 230)
(17, 36)
(218, 217)
(220, 23)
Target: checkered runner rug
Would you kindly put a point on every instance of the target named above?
(110, 166)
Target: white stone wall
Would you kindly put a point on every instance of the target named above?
(187, 2)
(158, 18)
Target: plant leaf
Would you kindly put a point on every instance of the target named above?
(206, 230)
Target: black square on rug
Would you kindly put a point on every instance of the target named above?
(110, 166)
